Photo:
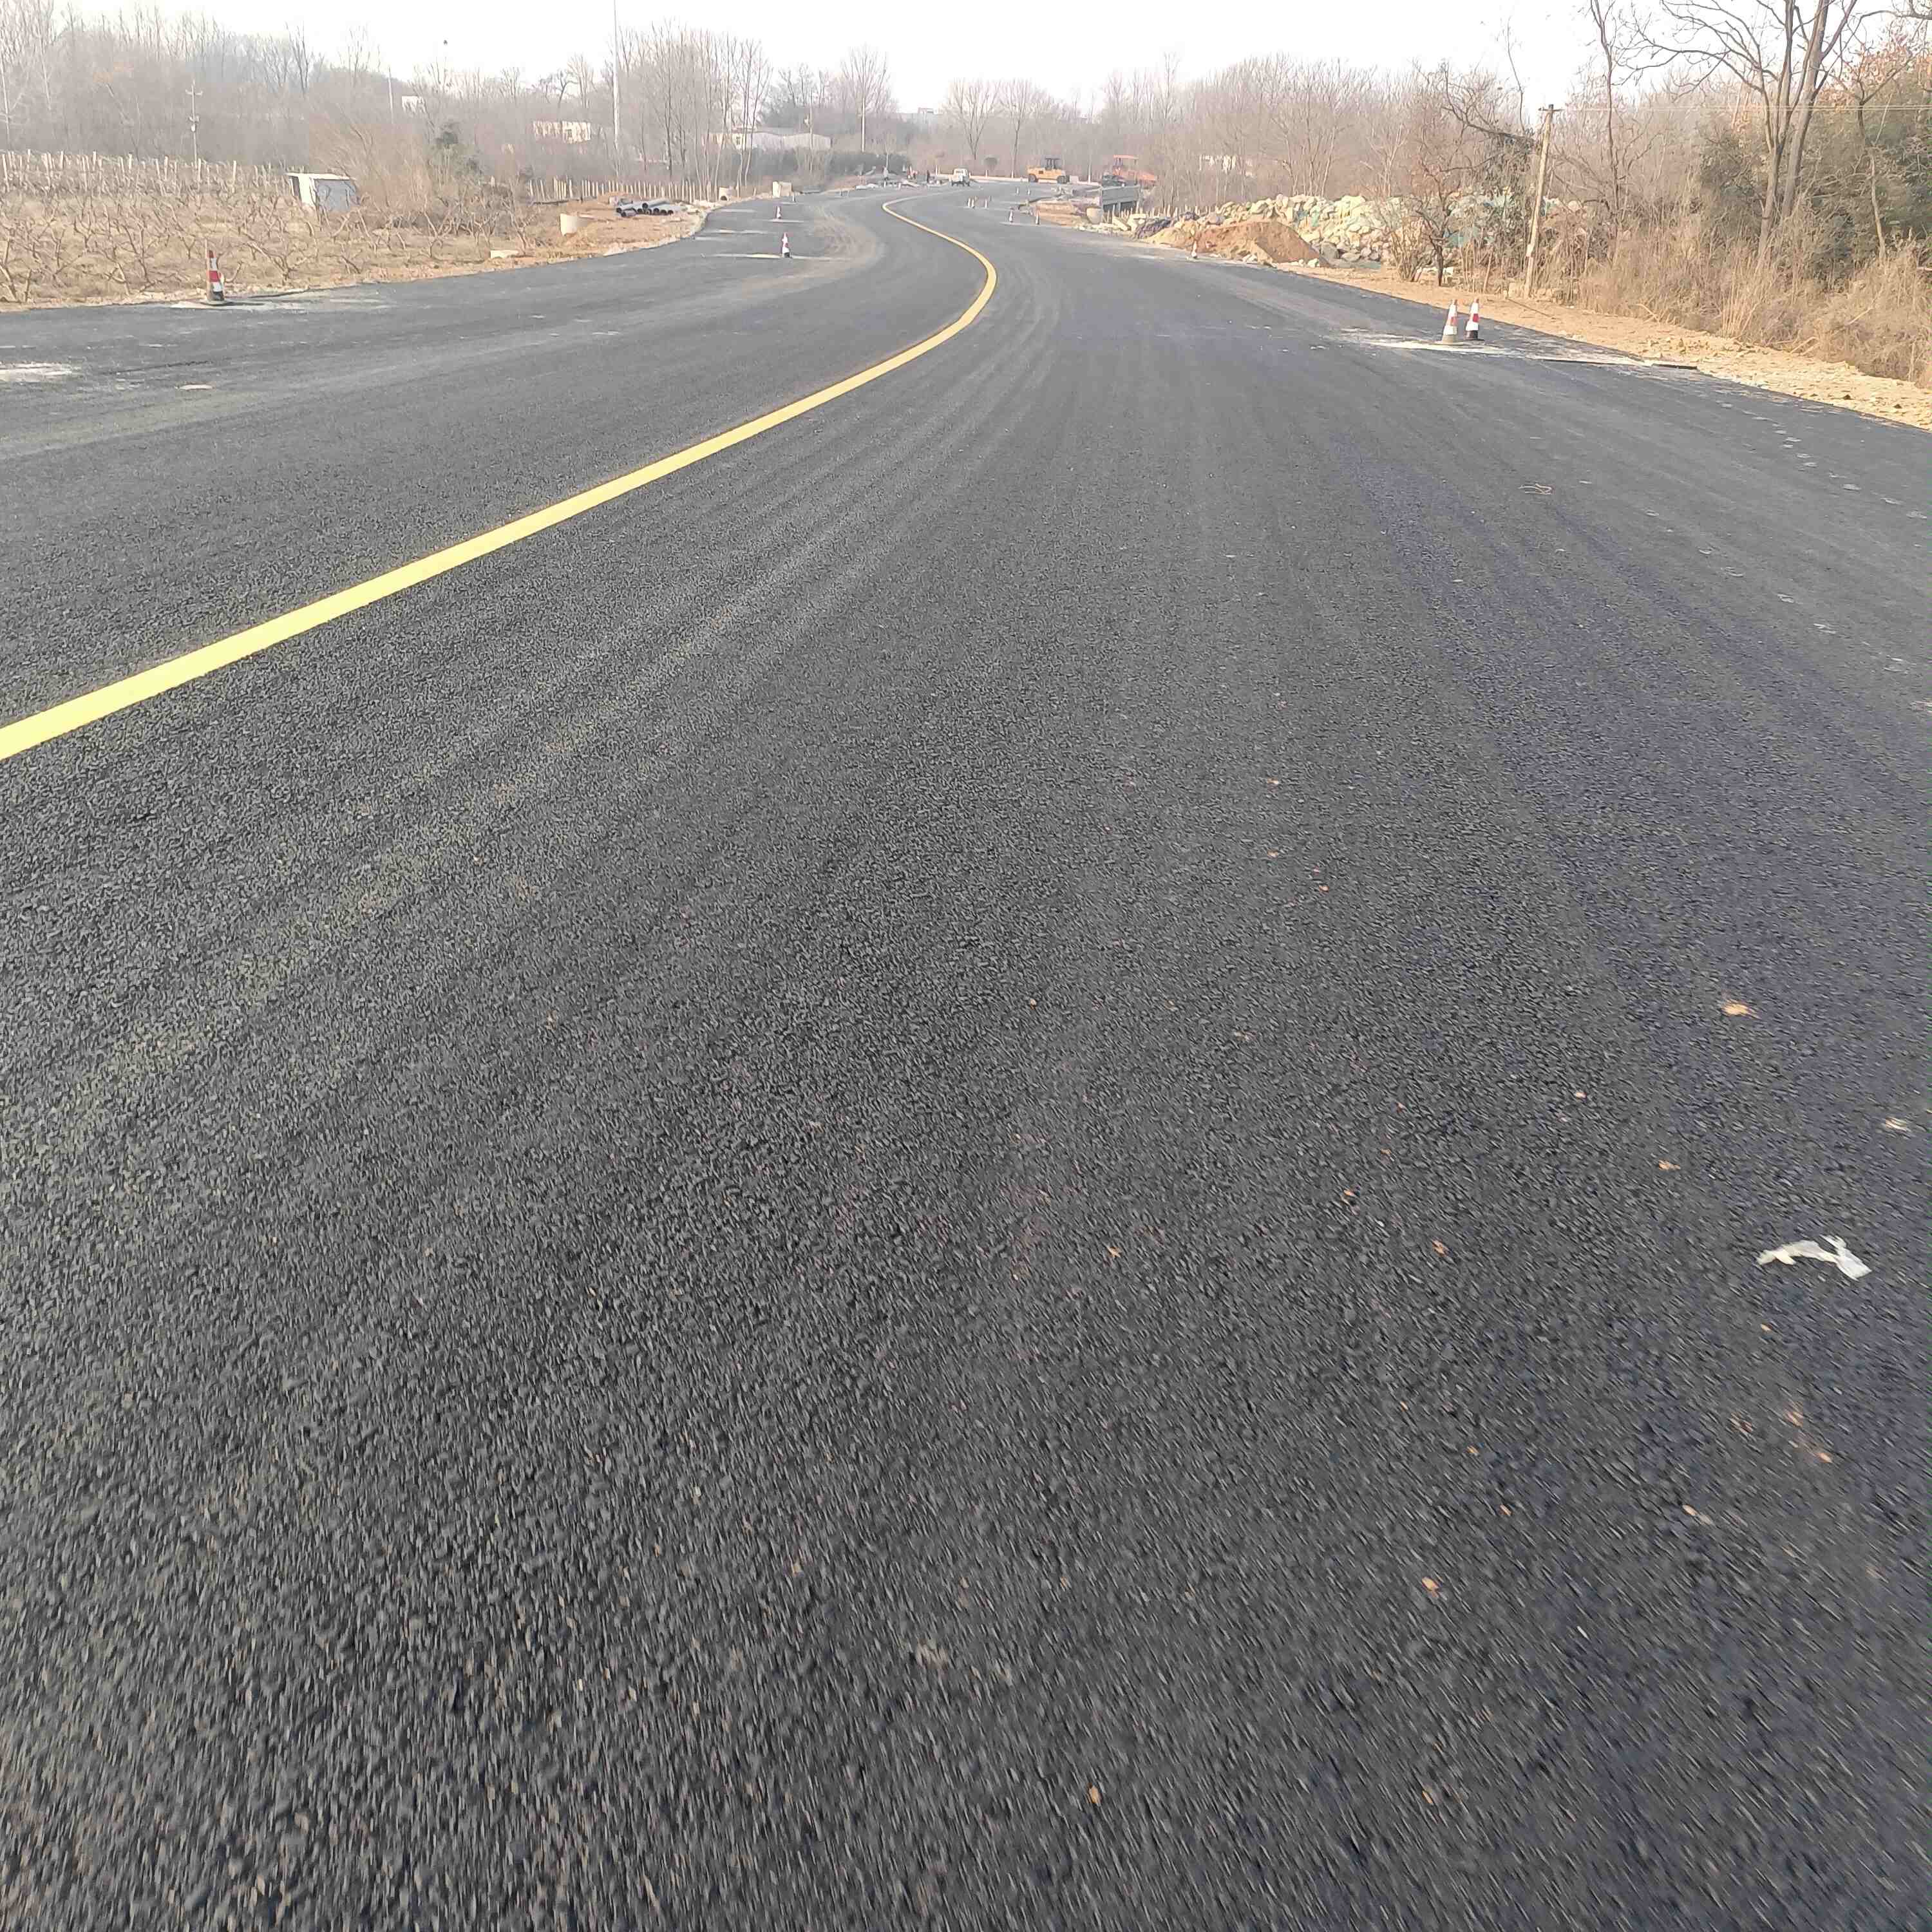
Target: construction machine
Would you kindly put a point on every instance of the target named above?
(1049, 169)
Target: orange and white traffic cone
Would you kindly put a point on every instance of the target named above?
(778, 211)
(1194, 251)
(217, 290)
(1475, 330)
(1009, 218)
(1452, 323)
(784, 248)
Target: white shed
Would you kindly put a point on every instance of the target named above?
(331, 194)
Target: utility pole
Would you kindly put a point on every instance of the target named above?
(194, 125)
(617, 85)
(1536, 208)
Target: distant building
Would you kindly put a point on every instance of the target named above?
(779, 140)
(570, 133)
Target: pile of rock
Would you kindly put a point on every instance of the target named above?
(1356, 228)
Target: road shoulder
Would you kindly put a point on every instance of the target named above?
(1804, 376)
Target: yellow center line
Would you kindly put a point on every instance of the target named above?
(59, 719)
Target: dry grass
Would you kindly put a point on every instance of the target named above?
(1812, 377)
(1880, 321)
(73, 239)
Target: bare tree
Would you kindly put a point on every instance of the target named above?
(1295, 114)
(1784, 54)
(1871, 69)
(968, 106)
(1617, 38)
(13, 66)
(580, 77)
(865, 80)
(1437, 175)
(1111, 118)
(1021, 102)
(794, 94)
(37, 39)
(1609, 131)
(1162, 111)
(356, 62)
(748, 71)
(298, 58)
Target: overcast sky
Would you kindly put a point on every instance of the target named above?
(1066, 49)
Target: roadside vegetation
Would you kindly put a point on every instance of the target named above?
(94, 228)
(1758, 170)
(1761, 174)
(131, 143)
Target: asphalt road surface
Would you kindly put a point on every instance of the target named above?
(1001, 1162)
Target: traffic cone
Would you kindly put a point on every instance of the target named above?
(784, 248)
(1452, 323)
(217, 290)
(778, 211)
(1475, 331)
(1194, 251)
(1009, 218)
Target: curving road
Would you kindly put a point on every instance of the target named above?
(1001, 1161)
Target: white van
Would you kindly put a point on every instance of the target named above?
(961, 179)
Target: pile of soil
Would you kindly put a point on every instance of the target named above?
(1260, 240)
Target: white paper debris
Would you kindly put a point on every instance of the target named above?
(1840, 1257)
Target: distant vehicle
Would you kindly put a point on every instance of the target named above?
(1124, 171)
(630, 205)
(1048, 170)
(961, 179)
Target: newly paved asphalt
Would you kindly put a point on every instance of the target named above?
(985, 1164)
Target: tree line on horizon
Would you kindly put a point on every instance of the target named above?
(1791, 136)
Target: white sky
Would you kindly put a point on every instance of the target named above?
(1066, 49)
